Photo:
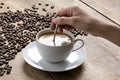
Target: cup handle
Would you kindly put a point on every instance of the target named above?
(80, 45)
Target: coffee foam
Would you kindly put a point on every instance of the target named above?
(60, 39)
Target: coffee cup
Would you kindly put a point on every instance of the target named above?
(58, 50)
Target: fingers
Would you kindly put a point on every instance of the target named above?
(64, 21)
(68, 12)
(60, 29)
(64, 12)
(52, 26)
(64, 18)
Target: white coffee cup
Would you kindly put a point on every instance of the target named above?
(56, 53)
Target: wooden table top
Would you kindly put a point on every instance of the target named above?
(103, 57)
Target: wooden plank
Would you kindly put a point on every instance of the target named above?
(103, 59)
(102, 63)
(110, 8)
(23, 71)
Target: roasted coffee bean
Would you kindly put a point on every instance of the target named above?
(6, 62)
(9, 68)
(52, 7)
(75, 35)
(85, 34)
(5, 47)
(6, 66)
(12, 56)
(8, 71)
(2, 57)
(39, 4)
(1, 74)
(44, 10)
(46, 4)
(2, 71)
(19, 48)
(2, 3)
(1, 62)
(1, 7)
(33, 7)
(8, 7)
(7, 58)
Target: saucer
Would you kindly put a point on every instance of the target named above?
(33, 58)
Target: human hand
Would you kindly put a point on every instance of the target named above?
(72, 18)
(76, 18)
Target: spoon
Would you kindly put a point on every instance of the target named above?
(55, 31)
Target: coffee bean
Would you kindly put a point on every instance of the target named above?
(39, 4)
(1, 62)
(8, 7)
(1, 7)
(34, 7)
(52, 7)
(8, 71)
(5, 47)
(46, 4)
(2, 57)
(1, 74)
(85, 34)
(2, 71)
(44, 10)
(6, 62)
(2, 3)
(6, 68)
(7, 58)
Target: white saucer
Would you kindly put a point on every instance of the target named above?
(33, 58)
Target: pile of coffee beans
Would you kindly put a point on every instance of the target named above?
(19, 28)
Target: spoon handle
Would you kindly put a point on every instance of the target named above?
(55, 31)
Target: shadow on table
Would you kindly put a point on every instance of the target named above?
(33, 73)
(73, 74)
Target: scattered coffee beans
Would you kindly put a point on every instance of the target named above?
(13, 38)
(19, 28)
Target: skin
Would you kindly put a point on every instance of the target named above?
(76, 18)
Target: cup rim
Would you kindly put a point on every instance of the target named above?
(49, 30)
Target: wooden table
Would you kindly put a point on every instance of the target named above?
(103, 60)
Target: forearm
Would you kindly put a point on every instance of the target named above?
(107, 31)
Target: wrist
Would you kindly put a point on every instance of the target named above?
(96, 27)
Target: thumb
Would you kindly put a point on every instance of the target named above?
(63, 21)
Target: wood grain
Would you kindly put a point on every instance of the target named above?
(110, 8)
(103, 58)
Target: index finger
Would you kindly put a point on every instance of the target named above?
(64, 12)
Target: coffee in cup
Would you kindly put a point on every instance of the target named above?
(60, 49)
(61, 39)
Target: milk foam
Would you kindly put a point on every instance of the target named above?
(60, 39)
